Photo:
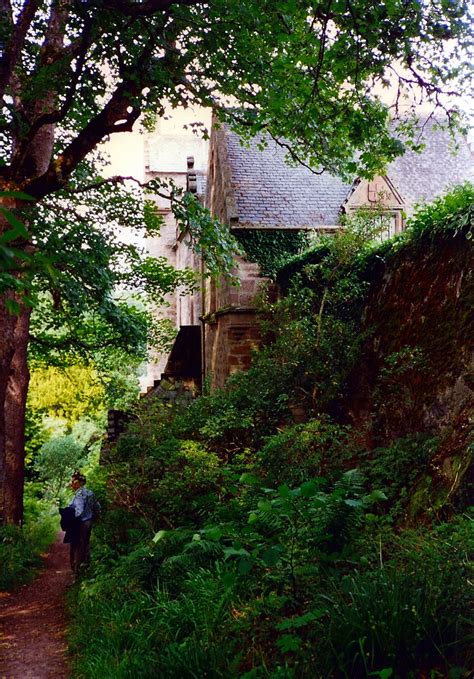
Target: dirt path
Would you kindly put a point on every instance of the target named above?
(33, 622)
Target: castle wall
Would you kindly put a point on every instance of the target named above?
(231, 328)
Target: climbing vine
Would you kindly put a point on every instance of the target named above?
(273, 248)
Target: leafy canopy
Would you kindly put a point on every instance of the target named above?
(302, 71)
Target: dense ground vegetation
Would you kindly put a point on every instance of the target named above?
(256, 533)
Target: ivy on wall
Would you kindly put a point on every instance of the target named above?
(271, 249)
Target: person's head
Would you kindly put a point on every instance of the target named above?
(77, 480)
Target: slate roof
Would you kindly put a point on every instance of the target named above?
(268, 192)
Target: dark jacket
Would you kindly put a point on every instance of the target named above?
(70, 524)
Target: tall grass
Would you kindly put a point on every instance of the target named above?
(21, 548)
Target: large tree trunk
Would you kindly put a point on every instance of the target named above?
(14, 379)
(10, 360)
(14, 328)
(7, 351)
(15, 408)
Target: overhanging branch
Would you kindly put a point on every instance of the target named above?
(14, 46)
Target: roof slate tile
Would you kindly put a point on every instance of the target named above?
(271, 193)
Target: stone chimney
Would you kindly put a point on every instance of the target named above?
(191, 178)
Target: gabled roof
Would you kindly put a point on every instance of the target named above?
(268, 193)
(364, 192)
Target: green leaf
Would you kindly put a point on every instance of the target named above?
(253, 518)
(229, 579)
(12, 306)
(288, 643)
(16, 194)
(301, 620)
(245, 565)
(19, 227)
(382, 674)
(159, 536)
(353, 503)
(271, 556)
(284, 491)
(249, 479)
(376, 495)
(230, 551)
(308, 489)
(265, 506)
(214, 533)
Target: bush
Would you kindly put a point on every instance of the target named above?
(164, 479)
(396, 468)
(303, 451)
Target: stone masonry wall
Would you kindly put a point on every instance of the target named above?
(231, 327)
(230, 340)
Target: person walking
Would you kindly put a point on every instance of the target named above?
(83, 504)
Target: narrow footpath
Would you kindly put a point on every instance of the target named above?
(33, 622)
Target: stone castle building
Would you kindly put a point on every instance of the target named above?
(249, 188)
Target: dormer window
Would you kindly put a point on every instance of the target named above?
(380, 191)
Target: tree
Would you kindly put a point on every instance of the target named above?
(73, 72)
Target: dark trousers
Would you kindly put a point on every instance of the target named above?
(80, 547)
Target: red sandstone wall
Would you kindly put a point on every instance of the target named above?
(231, 327)
(229, 343)
(421, 300)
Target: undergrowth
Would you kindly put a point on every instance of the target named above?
(240, 543)
(21, 547)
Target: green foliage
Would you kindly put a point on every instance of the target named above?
(409, 614)
(254, 533)
(397, 396)
(18, 557)
(153, 633)
(452, 213)
(69, 393)
(396, 468)
(13, 258)
(59, 456)
(21, 548)
(302, 451)
(57, 460)
(205, 234)
(271, 249)
(166, 478)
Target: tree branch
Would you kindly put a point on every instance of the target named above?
(56, 116)
(14, 46)
(80, 52)
(118, 179)
(118, 115)
(292, 153)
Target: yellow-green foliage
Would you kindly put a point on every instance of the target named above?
(69, 393)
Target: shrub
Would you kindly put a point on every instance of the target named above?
(396, 468)
(168, 481)
(303, 451)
